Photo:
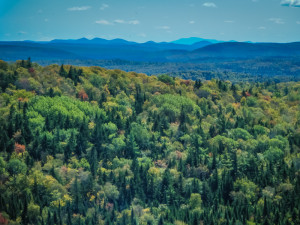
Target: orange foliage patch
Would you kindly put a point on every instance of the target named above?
(160, 164)
(19, 148)
(186, 82)
(178, 155)
(83, 95)
(109, 206)
(236, 105)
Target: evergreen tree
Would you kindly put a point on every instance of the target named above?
(62, 72)
(70, 147)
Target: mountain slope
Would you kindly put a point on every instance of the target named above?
(246, 50)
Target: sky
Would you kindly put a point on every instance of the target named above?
(155, 20)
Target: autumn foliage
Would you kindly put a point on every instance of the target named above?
(3, 221)
(19, 148)
(83, 95)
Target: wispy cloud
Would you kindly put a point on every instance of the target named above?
(277, 20)
(228, 21)
(103, 22)
(104, 6)
(192, 22)
(163, 27)
(290, 3)
(134, 22)
(118, 21)
(79, 8)
(298, 22)
(262, 28)
(210, 4)
(22, 32)
(142, 35)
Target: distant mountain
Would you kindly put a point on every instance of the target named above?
(193, 40)
(101, 49)
(120, 42)
(97, 41)
(22, 50)
(248, 50)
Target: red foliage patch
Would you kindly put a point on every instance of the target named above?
(160, 164)
(19, 148)
(109, 206)
(83, 95)
(186, 82)
(31, 70)
(3, 221)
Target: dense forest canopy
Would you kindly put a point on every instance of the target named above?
(87, 145)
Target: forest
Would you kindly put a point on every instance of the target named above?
(235, 70)
(88, 145)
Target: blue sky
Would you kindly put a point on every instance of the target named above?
(157, 20)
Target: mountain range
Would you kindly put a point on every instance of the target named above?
(182, 50)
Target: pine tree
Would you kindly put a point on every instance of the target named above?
(28, 63)
(70, 147)
(62, 72)
(160, 221)
(24, 212)
(93, 162)
(76, 194)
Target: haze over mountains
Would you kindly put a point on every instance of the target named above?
(182, 50)
(178, 58)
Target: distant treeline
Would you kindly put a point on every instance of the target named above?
(260, 70)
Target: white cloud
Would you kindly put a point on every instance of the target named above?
(277, 20)
(79, 8)
(291, 3)
(104, 6)
(228, 21)
(192, 22)
(210, 4)
(22, 32)
(142, 35)
(163, 27)
(262, 28)
(118, 21)
(103, 22)
(298, 22)
(46, 20)
(133, 22)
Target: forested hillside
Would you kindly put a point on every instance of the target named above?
(86, 145)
